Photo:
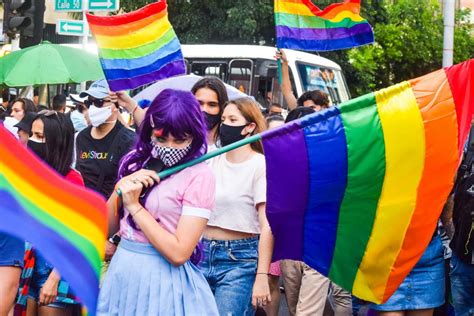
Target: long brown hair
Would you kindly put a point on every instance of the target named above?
(250, 110)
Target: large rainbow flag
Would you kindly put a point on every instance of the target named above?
(356, 191)
(137, 48)
(302, 25)
(67, 223)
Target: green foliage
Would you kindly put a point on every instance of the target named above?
(408, 34)
(409, 44)
(218, 21)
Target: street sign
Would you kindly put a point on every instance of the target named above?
(70, 27)
(103, 5)
(68, 5)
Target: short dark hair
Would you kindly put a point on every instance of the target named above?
(59, 102)
(317, 96)
(275, 104)
(28, 105)
(274, 118)
(298, 113)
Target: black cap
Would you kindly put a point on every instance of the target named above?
(26, 122)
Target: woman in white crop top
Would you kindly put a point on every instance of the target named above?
(238, 243)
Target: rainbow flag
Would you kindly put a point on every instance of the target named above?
(137, 48)
(356, 191)
(302, 25)
(65, 222)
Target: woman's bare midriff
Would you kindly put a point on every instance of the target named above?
(217, 233)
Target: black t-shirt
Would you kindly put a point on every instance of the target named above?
(98, 159)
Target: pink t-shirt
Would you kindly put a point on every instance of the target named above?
(190, 192)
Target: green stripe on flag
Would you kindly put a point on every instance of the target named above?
(301, 21)
(140, 51)
(366, 160)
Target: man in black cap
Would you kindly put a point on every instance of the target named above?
(24, 127)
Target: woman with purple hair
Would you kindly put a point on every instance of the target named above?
(161, 222)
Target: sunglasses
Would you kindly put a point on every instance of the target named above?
(97, 102)
(47, 113)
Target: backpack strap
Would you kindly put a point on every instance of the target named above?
(469, 156)
(465, 169)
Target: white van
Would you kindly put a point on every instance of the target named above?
(254, 71)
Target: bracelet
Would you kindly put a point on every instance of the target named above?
(262, 273)
(134, 110)
(138, 211)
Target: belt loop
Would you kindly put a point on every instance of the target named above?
(226, 244)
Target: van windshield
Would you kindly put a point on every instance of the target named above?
(314, 77)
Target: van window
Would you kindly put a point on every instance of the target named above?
(267, 89)
(210, 68)
(240, 75)
(314, 77)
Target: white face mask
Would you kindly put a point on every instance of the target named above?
(99, 116)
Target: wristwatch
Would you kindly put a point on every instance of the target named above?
(115, 239)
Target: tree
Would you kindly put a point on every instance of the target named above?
(408, 35)
(218, 21)
(409, 44)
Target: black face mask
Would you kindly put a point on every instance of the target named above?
(38, 148)
(230, 134)
(212, 120)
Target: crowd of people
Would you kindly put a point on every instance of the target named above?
(198, 242)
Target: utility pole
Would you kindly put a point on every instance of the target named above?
(448, 42)
(85, 37)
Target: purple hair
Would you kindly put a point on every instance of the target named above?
(177, 113)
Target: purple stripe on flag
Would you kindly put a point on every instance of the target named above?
(322, 33)
(326, 45)
(116, 74)
(327, 152)
(287, 188)
(170, 70)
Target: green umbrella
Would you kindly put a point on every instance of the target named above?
(48, 63)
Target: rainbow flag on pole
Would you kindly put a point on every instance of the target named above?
(137, 48)
(302, 25)
(356, 191)
(67, 223)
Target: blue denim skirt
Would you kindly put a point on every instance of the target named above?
(424, 287)
(141, 282)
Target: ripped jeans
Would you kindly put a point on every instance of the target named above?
(229, 267)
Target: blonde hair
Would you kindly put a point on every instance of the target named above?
(250, 110)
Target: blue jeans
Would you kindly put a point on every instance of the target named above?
(462, 286)
(229, 267)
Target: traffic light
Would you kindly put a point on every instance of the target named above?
(32, 34)
(14, 18)
(24, 17)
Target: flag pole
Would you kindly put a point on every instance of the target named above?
(252, 139)
(280, 72)
(168, 172)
